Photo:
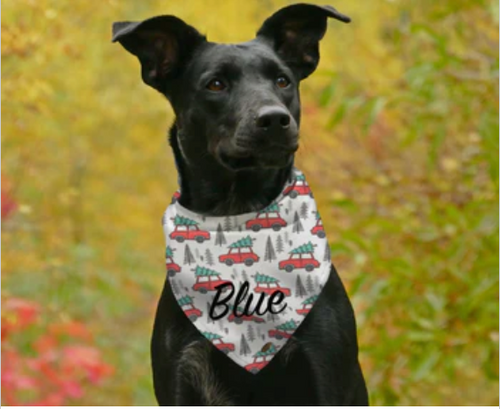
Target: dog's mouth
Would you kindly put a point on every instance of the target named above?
(243, 159)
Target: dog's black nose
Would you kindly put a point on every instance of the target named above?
(273, 118)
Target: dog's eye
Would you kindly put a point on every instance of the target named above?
(216, 85)
(282, 81)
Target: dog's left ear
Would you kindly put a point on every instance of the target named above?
(295, 31)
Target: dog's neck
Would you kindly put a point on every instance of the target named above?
(212, 190)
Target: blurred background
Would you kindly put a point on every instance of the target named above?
(400, 145)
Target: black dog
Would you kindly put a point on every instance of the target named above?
(234, 139)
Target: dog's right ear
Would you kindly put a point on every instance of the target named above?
(162, 44)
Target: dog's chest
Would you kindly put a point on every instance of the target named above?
(248, 281)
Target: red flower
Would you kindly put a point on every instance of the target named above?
(61, 369)
(9, 205)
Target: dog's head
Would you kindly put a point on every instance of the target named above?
(236, 104)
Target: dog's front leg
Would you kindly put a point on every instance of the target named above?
(197, 383)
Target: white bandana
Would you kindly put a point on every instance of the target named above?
(280, 255)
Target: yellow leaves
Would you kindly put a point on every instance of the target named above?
(450, 164)
(69, 196)
(50, 14)
(338, 195)
(25, 209)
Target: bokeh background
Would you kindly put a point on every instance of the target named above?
(400, 145)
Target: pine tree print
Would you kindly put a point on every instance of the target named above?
(175, 288)
(209, 257)
(244, 347)
(300, 291)
(251, 333)
(227, 224)
(244, 275)
(271, 317)
(303, 210)
(287, 237)
(209, 320)
(182, 285)
(328, 256)
(220, 239)
(309, 284)
(297, 225)
(188, 256)
(280, 246)
(197, 253)
(270, 255)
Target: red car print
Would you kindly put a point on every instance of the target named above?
(187, 229)
(307, 305)
(182, 233)
(319, 230)
(262, 358)
(275, 333)
(172, 267)
(240, 320)
(193, 313)
(207, 280)
(240, 252)
(272, 290)
(243, 255)
(301, 257)
(284, 330)
(268, 218)
(299, 261)
(176, 196)
(299, 188)
(216, 340)
(258, 364)
(186, 304)
(269, 285)
(225, 347)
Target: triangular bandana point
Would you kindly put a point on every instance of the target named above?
(277, 254)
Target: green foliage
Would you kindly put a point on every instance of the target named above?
(205, 272)
(262, 278)
(310, 300)
(244, 242)
(269, 351)
(186, 300)
(184, 221)
(289, 325)
(304, 248)
(273, 207)
(399, 142)
(211, 336)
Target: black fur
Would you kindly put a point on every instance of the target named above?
(237, 118)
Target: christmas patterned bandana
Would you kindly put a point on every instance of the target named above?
(248, 281)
